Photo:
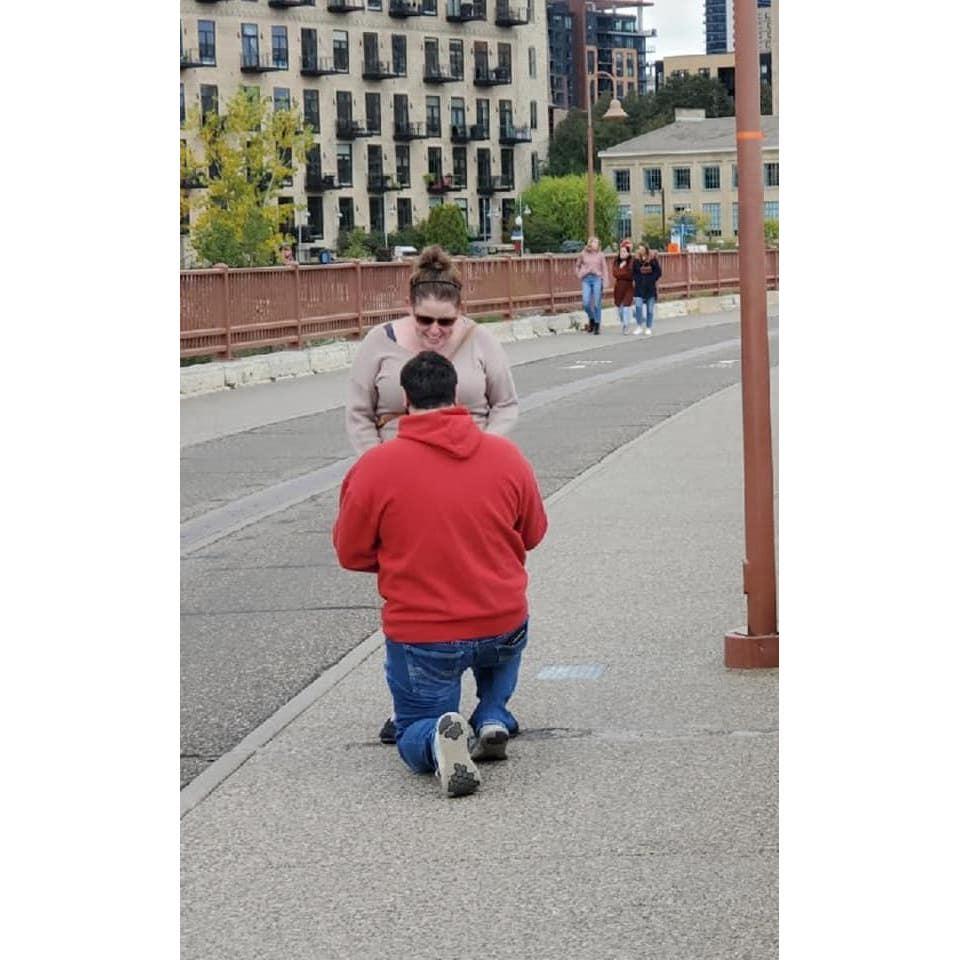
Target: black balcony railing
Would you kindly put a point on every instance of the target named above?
(195, 58)
(325, 66)
(317, 182)
(508, 16)
(495, 77)
(445, 183)
(434, 73)
(479, 131)
(488, 185)
(281, 4)
(458, 12)
(409, 131)
(378, 70)
(459, 133)
(405, 8)
(351, 129)
(381, 183)
(260, 64)
(344, 6)
(511, 134)
(193, 181)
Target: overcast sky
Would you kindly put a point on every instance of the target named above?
(679, 26)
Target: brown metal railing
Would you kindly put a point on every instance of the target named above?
(223, 311)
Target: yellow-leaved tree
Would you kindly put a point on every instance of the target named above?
(243, 158)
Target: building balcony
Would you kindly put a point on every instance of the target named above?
(193, 181)
(283, 4)
(352, 129)
(497, 77)
(344, 6)
(381, 183)
(508, 16)
(250, 64)
(409, 131)
(192, 58)
(437, 74)
(488, 185)
(444, 184)
(316, 182)
(314, 67)
(510, 134)
(479, 132)
(459, 133)
(378, 70)
(458, 12)
(404, 8)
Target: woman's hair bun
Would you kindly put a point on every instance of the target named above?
(434, 259)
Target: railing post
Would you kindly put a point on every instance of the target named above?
(359, 298)
(225, 308)
(296, 306)
(686, 271)
(717, 255)
(553, 301)
(509, 262)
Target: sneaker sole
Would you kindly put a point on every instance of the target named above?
(491, 746)
(458, 774)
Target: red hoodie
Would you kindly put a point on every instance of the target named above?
(444, 514)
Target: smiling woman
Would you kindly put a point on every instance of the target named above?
(435, 322)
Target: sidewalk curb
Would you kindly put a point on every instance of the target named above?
(339, 355)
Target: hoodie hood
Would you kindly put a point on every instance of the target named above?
(450, 429)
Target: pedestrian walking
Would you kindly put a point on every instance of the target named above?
(623, 284)
(646, 273)
(594, 275)
(444, 515)
(435, 322)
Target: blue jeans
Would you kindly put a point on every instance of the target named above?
(592, 296)
(424, 680)
(648, 306)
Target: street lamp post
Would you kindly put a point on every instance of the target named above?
(760, 645)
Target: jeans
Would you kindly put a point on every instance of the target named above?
(424, 680)
(646, 305)
(592, 296)
(624, 314)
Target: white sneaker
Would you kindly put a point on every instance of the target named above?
(637, 332)
(456, 770)
(491, 742)
(648, 332)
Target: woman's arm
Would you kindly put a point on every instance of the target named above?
(361, 406)
(501, 390)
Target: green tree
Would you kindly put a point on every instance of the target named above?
(654, 235)
(558, 208)
(771, 232)
(251, 153)
(446, 226)
(357, 244)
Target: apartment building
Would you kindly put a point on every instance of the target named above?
(720, 66)
(718, 25)
(414, 103)
(688, 166)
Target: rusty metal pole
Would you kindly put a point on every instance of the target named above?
(587, 98)
(760, 645)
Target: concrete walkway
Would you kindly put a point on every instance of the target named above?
(636, 816)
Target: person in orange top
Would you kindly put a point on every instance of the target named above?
(623, 284)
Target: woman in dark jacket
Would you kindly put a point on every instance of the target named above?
(623, 284)
(646, 273)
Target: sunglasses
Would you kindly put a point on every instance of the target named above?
(428, 321)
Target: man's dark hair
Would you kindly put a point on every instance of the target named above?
(430, 381)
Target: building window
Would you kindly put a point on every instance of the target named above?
(456, 59)
(308, 49)
(374, 162)
(344, 109)
(532, 61)
(771, 174)
(433, 117)
(373, 112)
(460, 169)
(435, 163)
(374, 4)
(401, 111)
(341, 51)
(621, 179)
(534, 167)
(506, 167)
(736, 179)
(280, 52)
(288, 218)
(652, 179)
(771, 209)
(533, 114)
(345, 164)
(345, 213)
(311, 109)
(652, 210)
(250, 38)
(376, 214)
(624, 221)
(207, 37)
(736, 219)
(506, 116)
(712, 210)
(704, 71)
(711, 178)
(183, 107)
(681, 178)
(434, 202)
(404, 213)
(402, 151)
(315, 217)
(281, 98)
(504, 61)
(462, 206)
(431, 56)
(399, 54)
(458, 113)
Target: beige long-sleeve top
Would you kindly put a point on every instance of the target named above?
(484, 385)
(589, 262)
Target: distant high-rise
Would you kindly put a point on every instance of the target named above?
(718, 23)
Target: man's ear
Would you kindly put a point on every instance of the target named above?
(406, 400)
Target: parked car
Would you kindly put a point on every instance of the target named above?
(571, 246)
